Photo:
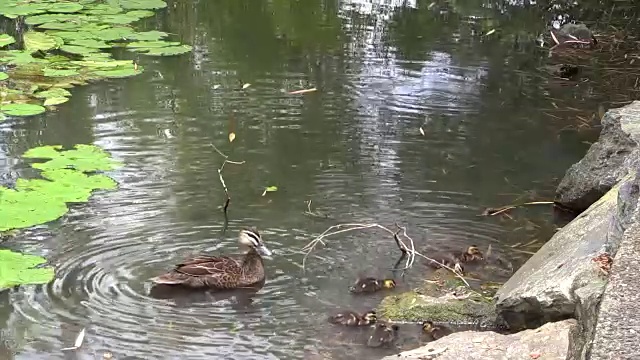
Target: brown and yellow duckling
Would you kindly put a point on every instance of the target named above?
(455, 259)
(221, 272)
(435, 331)
(352, 318)
(383, 334)
(370, 284)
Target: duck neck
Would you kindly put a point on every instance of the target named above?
(252, 260)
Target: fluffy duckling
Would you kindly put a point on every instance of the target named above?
(472, 254)
(369, 285)
(351, 318)
(435, 331)
(383, 334)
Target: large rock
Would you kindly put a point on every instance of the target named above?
(550, 341)
(562, 280)
(618, 328)
(606, 162)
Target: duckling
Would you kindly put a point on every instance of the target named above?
(221, 272)
(472, 254)
(436, 331)
(351, 318)
(369, 285)
(383, 334)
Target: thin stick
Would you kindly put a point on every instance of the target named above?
(401, 245)
(224, 184)
(497, 211)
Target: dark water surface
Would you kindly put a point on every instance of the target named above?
(353, 147)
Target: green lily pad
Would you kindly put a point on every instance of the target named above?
(152, 44)
(22, 269)
(55, 101)
(48, 18)
(22, 109)
(82, 158)
(21, 209)
(53, 92)
(65, 7)
(148, 36)
(6, 40)
(3, 76)
(70, 35)
(39, 41)
(56, 25)
(142, 4)
(165, 51)
(67, 185)
(80, 50)
(102, 9)
(119, 72)
(113, 34)
(18, 57)
(13, 10)
(140, 14)
(103, 63)
(121, 19)
(91, 43)
(51, 72)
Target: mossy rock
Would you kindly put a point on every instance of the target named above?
(414, 306)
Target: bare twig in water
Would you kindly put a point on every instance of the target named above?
(314, 213)
(224, 185)
(502, 209)
(406, 250)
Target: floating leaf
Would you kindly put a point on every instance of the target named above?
(120, 72)
(70, 35)
(49, 18)
(22, 269)
(55, 101)
(21, 209)
(107, 63)
(114, 33)
(142, 4)
(59, 72)
(39, 41)
(65, 7)
(245, 86)
(56, 25)
(53, 92)
(80, 50)
(165, 51)
(22, 109)
(269, 189)
(67, 185)
(232, 136)
(78, 342)
(91, 43)
(13, 10)
(421, 131)
(3, 76)
(6, 40)
(18, 57)
(148, 36)
(102, 9)
(82, 157)
(490, 32)
(152, 44)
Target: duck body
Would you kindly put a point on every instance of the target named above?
(383, 334)
(455, 259)
(435, 331)
(370, 284)
(221, 272)
(352, 318)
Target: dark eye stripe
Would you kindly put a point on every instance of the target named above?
(253, 235)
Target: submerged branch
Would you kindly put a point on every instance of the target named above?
(407, 251)
(224, 184)
(502, 209)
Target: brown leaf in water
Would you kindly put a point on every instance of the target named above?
(232, 136)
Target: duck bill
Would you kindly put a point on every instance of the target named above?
(263, 250)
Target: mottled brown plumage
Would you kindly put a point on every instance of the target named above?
(369, 285)
(352, 318)
(455, 259)
(435, 331)
(383, 334)
(221, 272)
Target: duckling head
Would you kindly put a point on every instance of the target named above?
(252, 238)
(474, 252)
(427, 326)
(389, 283)
(370, 316)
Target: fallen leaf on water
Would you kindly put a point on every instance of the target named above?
(216, 86)
(232, 136)
(490, 32)
(245, 86)
(303, 91)
(269, 189)
(78, 342)
(421, 131)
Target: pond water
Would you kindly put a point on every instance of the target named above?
(491, 118)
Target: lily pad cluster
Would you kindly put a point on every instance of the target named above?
(67, 44)
(67, 177)
(18, 269)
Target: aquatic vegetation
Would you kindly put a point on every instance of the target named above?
(66, 177)
(67, 46)
(19, 269)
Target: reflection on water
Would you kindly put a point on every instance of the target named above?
(383, 70)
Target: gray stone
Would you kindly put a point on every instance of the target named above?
(618, 324)
(544, 288)
(606, 161)
(550, 341)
